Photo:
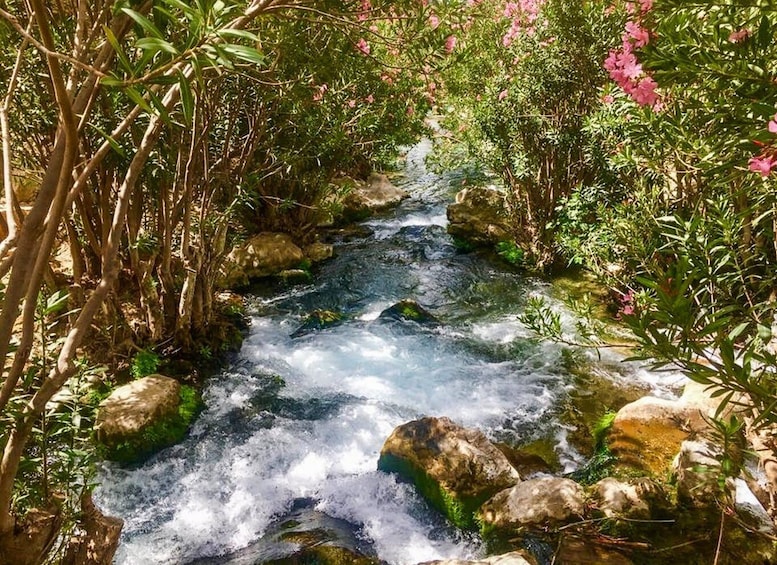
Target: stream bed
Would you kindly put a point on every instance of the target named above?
(292, 429)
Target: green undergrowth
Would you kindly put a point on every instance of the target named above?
(601, 464)
(160, 435)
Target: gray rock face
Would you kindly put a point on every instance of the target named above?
(479, 216)
(454, 467)
(261, 256)
(512, 558)
(135, 406)
(536, 502)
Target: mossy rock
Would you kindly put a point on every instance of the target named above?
(318, 320)
(325, 555)
(294, 277)
(454, 468)
(409, 310)
(163, 433)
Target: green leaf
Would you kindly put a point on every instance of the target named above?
(187, 99)
(144, 22)
(138, 99)
(156, 45)
(112, 142)
(123, 59)
(248, 54)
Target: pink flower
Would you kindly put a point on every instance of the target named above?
(608, 99)
(318, 95)
(640, 35)
(434, 21)
(363, 46)
(450, 44)
(772, 126)
(351, 103)
(645, 92)
(503, 95)
(739, 35)
(762, 164)
(370, 99)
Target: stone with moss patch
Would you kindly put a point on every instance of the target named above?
(454, 468)
(409, 310)
(318, 320)
(145, 416)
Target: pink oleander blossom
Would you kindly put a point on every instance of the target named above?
(450, 44)
(762, 164)
(363, 46)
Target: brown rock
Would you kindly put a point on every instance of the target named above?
(318, 252)
(96, 538)
(375, 194)
(456, 468)
(536, 502)
(133, 407)
(261, 256)
(696, 470)
(480, 216)
(578, 551)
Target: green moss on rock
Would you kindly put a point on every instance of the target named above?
(162, 434)
(461, 512)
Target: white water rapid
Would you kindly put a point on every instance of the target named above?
(294, 426)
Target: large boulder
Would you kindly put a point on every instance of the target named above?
(646, 434)
(479, 216)
(144, 416)
(541, 502)
(512, 558)
(263, 255)
(455, 468)
(373, 195)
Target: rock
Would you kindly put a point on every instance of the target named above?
(96, 538)
(296, 276)
(142, 417)
(699, 396)
(318, 320)
(584, 551)
(536, 502)
(479, 216)
(696, 470)
(31, 538)
(646, 434)
(527, 462)
(408, 310)
(373, 195)
(318, 252)
(637, 499)
(455, 468)
(135, 406)
(512, 558)
(261, 256)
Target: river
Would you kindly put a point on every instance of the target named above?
(293, 427)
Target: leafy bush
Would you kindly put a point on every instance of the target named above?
(145, 363)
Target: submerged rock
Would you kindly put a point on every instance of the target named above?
(318, 320)
(455, 468)
(261, 256)
(479, 216)
(535, 502)
(296, 276)
(512, 558)
(646, 434)
(409, 310)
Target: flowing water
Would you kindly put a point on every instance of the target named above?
(293, 428)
